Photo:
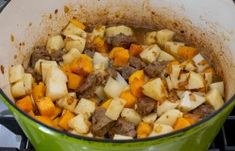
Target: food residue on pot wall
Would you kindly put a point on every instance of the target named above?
(2, 69)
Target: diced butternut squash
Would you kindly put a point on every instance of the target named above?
(139, 74)
(25, 104)
(56, 113)
(82, 66)
(135, 50)
(78, 24)
(38, 91)
(74, 80)
(45, 120)
(100, 45)
(181, 123)
(46, 107)
(129, 97)
(65, 68)
(56, 123)
(192, 118)
(120, 56)
(187, 52)
(31, 113)
(136, 87)
(143, 130)
(106, 103)
(64, 120)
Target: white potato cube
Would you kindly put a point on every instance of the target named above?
(98, 31)
(86, 107)
(160, 129)
(46, 67)
(151, 53)
(121, 137)
(190, 101)
(115, 108)
(48, 64)
(16, 73)
(208, 78)
(131, 115)
(18, 90)
(73, 54)
(174, 75)
(150, 119)
(169, 83)
(165, 106)
(56, 73)
(72, 29)
(68, 102)
(155, 89)
(122, 81)
(77, 42)
(219, 86)
(214, 98)
(189, 66)
(169, 117)
(55, 43)
(28, 82)
(113, 88)
(200, 62)
(99, 91)
(150, 38)
(116, 30)
(80, 124)
(100, 61)
(195, 81)
(164, 35)
(172, 47)
(164, 56)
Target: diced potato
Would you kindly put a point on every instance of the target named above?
(150, 38)
(160, 129)
(172, 47)
(190, 101)
(165, 106)
(150, 118)
(208, 78)
(72, 29)
(121, 137)
(164, 56)
(55, 43)
(131, 115)
(86, 107)
(100, 61)
(56, 86)
(28, 82)
(169, 83)
(99, 91)
(18, 90)
(73, 41)
(169, 117)
(174, 76)
(115, 108)
(200, 62)
(164, 35)
(195, 81)
(74, 53)
(68, 102)
(80, 124)
(214, 98)
(219, 86)
(46, 107)
(151, 53)
(98, 31)
(46, 67)
(189, 66)
(122, 81)
(78, 24)
(16, 73)
(113, 88)
(155, 89)
(116, 30)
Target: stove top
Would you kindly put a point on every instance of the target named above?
(17, 141)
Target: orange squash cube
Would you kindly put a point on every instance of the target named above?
(74, 80)
(181, 123)
(129, 97)
(65, 118)
(25, 104)
(82, 66)
(135, 49)
(120, 56)
(187, 52)
(38, 91)
(46, 107)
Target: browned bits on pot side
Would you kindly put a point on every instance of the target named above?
(12, 38)
(66, 9)
(30, 24)
(2, 69)
(56, 11)
(15, 56)
(50, 16)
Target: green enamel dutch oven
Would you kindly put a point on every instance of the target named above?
(208, 25)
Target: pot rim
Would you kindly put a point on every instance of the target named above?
(204, 120)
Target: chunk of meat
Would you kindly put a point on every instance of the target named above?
(123, 127)
(101, 124)
(90, 53)
(101, 78)
(155, 69)
(203, 110)
(39, 52)
(136, 62)
(145, 105)
(111, 72)
(121, 40)
(86, 89)
(57, 55)
(126, 71)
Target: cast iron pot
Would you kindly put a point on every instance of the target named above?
(206, 24)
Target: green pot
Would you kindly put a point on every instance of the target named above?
(27, 21)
